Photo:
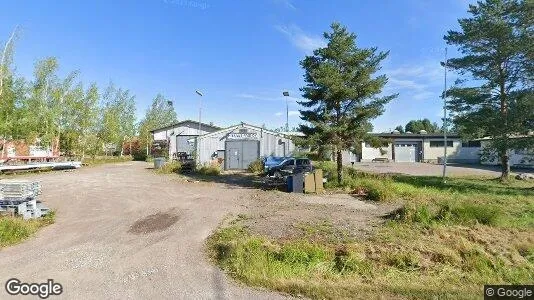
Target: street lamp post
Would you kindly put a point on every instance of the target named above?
(444, 178)
(286, 94)
(199, 111)
(199, 125)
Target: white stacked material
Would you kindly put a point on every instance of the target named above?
(18, 190)
(21, 196)
(48, 165)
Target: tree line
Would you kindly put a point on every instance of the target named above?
(85, 118)
(494, 96)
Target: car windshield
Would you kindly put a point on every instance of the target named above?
(288, 162)
(273, 160)
(303, 162)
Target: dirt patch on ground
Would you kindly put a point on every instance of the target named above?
(156, 222)
(329, 218)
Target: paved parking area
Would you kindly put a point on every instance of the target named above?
(425, 169)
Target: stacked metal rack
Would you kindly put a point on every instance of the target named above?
(20, 197)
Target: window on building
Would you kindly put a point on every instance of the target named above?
(471, 144)
(436, 144)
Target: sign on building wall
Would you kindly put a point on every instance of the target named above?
(243, 136)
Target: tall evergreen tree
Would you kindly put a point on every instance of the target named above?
(494, 97)
(341, 94)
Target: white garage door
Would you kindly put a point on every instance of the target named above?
(405, 152)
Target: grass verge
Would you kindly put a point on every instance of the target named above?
(14, 230)
(99, 160)
(399, 262)
(446, 242)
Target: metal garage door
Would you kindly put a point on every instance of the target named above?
(185, 143)
(239, 154)
(405, 152)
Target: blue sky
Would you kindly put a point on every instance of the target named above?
(241, 54)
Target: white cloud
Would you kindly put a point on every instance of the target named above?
(419, 82)
(425, 95)
(405, 84)
(267, 98)
(300, 39)
(286, 4)
(291, 113)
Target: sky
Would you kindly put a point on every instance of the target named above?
(241, 54)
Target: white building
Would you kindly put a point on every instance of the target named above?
(181, 136)
(235, 147)
(517, 157)
(422, 147)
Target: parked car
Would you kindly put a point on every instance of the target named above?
(290, 166)
(272, 161)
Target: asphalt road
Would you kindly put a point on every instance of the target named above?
(101, 246)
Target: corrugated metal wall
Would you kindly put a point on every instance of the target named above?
(270, 144)
(170, 134)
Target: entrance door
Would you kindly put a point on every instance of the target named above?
(233, 158)
(240, 153)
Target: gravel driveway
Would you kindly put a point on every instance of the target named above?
(123, 232)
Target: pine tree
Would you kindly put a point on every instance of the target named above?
(494, 97)
(341, 94)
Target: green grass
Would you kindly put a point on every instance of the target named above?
(399, 261)
(99, 160)
(461, 201)
(170, 167)
(445, 242)
(14, 230)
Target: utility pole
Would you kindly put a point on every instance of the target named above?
(199, 125)
(286, 94)
(445, 121)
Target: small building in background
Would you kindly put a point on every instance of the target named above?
(422, 147)
(15, 150)
(523, 158)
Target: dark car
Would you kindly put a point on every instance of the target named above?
(290, 166)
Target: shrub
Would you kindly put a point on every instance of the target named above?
(210, 170)
(139, 156)
(170, 167)
(256, 167)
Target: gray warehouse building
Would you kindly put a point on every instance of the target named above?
(181, 136)
(235, 147)
(239, 145)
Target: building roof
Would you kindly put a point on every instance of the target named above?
(415, 135)
(184, 122)
(527, 136)
(243, 125)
